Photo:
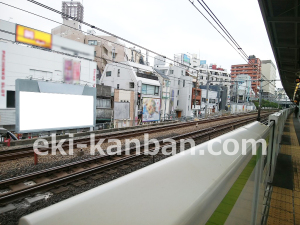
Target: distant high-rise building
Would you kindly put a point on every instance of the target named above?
(268, 69)
(107, 48)
(73, 9)
(253, 69)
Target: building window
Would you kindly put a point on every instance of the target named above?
(212, 100)
(103, 103)
(118, 72)
(171, 71)
(183, 83)
(92, 42)
(150, 89)
(108, 73)
(177, 102)
(178, 92)
(10, 99)
(178, 82)
(156, 90)
(95, 53)
(118, 86)
(131, 84)
(181, 72)
(188, 108)
(204, 100)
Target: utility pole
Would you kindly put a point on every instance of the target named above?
(236, 89)
(206, 102)
(260, 96)
(196, 92)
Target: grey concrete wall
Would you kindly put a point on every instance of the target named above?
(103, 91)
(103, 113)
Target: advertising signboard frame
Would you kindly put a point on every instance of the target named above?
(151, 109)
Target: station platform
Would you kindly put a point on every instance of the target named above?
(285, 197)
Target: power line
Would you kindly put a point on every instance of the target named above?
(228, 35)
(127, 67)
(98, 29)
(213, 16)
(88, 33)
(101, 30)
(215, 28)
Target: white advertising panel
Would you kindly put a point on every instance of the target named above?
(46, 111)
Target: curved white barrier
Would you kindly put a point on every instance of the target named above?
(182, 189)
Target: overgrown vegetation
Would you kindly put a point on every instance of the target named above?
(265, 103)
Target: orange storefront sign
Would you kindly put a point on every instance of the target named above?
(33, 37)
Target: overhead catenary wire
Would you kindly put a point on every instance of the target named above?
(94, 27)
(88, 33)
(101, 37)
(116, 64)
(104, 31)
(217, 21)
(226, 33)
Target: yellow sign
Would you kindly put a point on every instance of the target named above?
(33, 37)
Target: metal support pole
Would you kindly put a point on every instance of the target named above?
(236, 94)
(259, 106)
(196, 91)
(206, 102)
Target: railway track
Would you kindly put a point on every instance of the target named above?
(28, 151)
(95, 166)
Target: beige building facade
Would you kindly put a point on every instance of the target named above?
(105, 46)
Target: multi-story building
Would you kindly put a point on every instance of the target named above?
(242, 91)
(196, 99)
(140, 79)
(104, 110)
(217, 94)
(253, 69)
(216, 76)
(51, 64)
(165, 93)
(268, 69)
(212, 104)
(106, 48)
(181, 84)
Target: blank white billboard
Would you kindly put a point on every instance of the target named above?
(49, 111)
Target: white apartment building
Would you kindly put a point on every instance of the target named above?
(181, 85)
(135, 77)
(212, 104)
(217, 76)
(165, 93)
(268, 69)
(242, 88)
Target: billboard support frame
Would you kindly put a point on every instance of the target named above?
(32, 86)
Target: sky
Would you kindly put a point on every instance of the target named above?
(167, 27)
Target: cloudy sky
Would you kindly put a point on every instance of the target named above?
(164, 26)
